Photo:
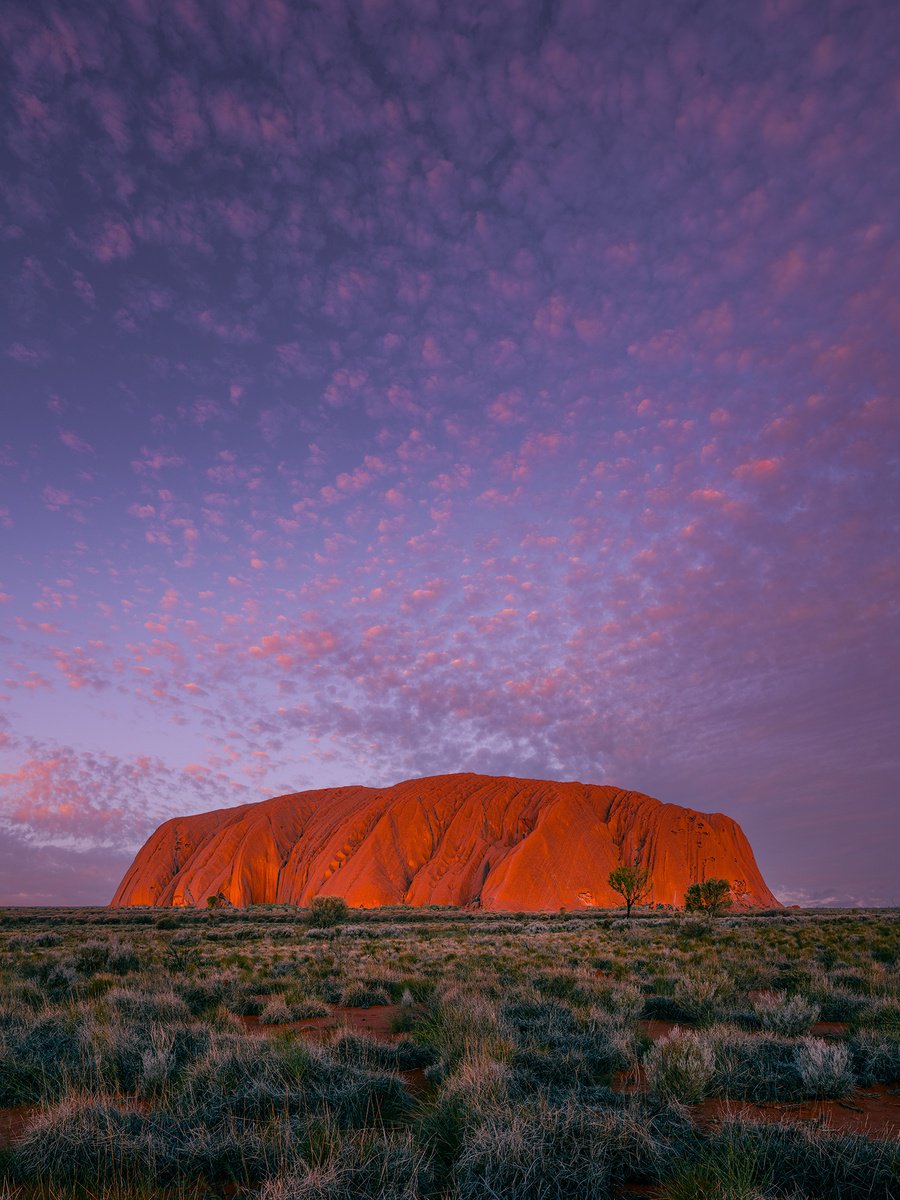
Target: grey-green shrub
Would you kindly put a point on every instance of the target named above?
(680, 1067)
(811, 1163)
(545, 1155)
(276, 1012)
(359, 993)
(789, 1016)
(700, 992)
(556, 1152)
(824, 1068)
(88, 1141)
(875, 1057)
(753, 1066)
(362, 1167)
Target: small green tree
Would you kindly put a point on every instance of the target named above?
(325, 911)
(712, 897)
(632, 882)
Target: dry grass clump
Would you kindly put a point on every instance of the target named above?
(363, 1167)
(557, 1152)
(824, 1068)
(559, 1049)
(251, 1079)
(477, 1086)
(276, 1012)
(304, 1006)
(83, 1140)
(680, 1067)
(789, 1016)
(545, 1154)
(882, 1012)
(106, 954)
(796, 1161)
(727, 1061)
(360, 993)
(700, 993)
(719, 1174)
(465, 1023)
(159, 1063)
(144, 1004)
(42, 1055)
(623, 1001)
(875, 1057)
(362, 1050)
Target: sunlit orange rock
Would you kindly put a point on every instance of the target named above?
(503, 843)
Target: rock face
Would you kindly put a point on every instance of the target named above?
(512, 844)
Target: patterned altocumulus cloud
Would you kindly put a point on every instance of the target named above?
(394, 387)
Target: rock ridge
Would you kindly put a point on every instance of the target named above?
(500, 842)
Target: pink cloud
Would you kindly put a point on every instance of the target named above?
(289, 648)
(111, 112)
(248, 121)
(757, 469)
(56, 498)
(75, 443)
(112, 241)
(80, 669)
(506, 408)
(28, 355)
(177, 126)
(151, 462)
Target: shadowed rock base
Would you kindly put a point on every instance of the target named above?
(503, 843)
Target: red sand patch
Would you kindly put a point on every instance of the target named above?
(416, 1083)
(656, 1029)
(873, 1111)
(631, 1081)
(376, 1021)
(14, 1121)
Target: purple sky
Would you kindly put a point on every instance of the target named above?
(395, 388)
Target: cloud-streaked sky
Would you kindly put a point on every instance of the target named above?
(396, 387)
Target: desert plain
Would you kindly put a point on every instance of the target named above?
(275, 1052)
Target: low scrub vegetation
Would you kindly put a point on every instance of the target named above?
(787, 1015)
(438, 1054)
(681, 1067)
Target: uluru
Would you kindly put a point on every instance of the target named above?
(473, 840)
